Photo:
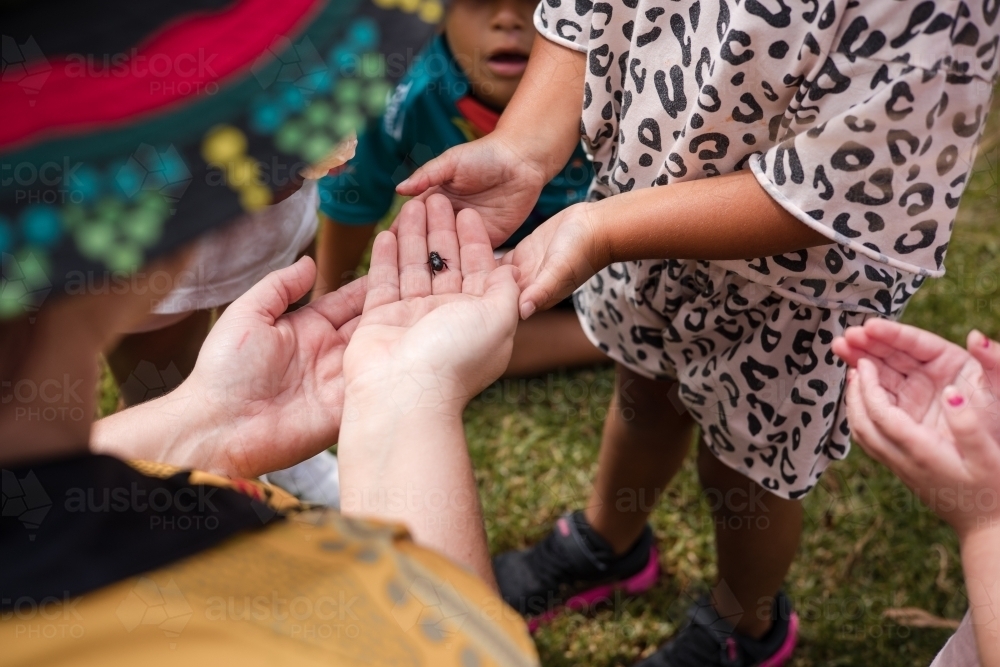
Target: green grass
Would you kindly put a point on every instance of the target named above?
(868, 545)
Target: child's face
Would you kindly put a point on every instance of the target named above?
(491, 40)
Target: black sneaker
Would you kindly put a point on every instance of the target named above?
(573, 568)
(708, 640)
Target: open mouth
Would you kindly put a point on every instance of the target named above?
(508, 63)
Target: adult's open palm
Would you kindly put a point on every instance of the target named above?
(275, 381)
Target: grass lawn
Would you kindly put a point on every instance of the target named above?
(868, 546)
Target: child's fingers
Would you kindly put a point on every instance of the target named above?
(920, 345)
(846, 351)
(442, 238)
(919, 444)
(383, 276)
(866, 433)
(974, 442)
(414, 271)
(891, 380)
(476, 251)
(895, 358)
(438, 171)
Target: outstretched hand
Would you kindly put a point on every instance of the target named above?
(486, 175)
(930, 411)
(273, 382)
(433, 336)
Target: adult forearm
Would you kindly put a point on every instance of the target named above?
(981, 563)
(542, 121)
(726, 217)
(412, 466)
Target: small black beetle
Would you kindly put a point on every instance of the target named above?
(437, 264)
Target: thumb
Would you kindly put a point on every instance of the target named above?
(273, 293)
(438, 171)
(555, 279)
(973, 441)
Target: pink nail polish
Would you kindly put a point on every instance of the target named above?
(956, 401)
(986, 340)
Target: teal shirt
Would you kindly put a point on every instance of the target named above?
(420, 122)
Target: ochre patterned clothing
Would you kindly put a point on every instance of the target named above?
(860, 119)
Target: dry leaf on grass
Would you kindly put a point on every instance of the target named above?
(915, 617)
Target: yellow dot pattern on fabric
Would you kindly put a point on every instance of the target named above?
(225, 148)
(429, 11)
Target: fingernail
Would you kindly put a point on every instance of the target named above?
(527, 309)
(956, 401)
(986, 339)
(850, 375)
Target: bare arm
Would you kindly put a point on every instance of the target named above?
(543, 118)
(981, 563)
(726, 217)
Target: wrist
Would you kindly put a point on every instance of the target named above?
(594, 218)
(176, 429)
(536, 153)
(391, 396)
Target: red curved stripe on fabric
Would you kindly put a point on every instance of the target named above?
(481, 116)
(227, 43)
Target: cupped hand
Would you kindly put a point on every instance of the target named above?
(433, 339)
(563, 253)
(487, 175)
(929, 410)
(273, 382)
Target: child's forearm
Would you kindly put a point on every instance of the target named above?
(542, 121)
(726, 217)
(981, 563)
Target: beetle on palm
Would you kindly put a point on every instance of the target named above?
(436, 262)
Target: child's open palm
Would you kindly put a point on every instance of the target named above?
(929, 410)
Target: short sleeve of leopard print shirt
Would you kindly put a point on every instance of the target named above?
(860, 118)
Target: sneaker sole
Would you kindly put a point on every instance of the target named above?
(637, 583)
(784, 652)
